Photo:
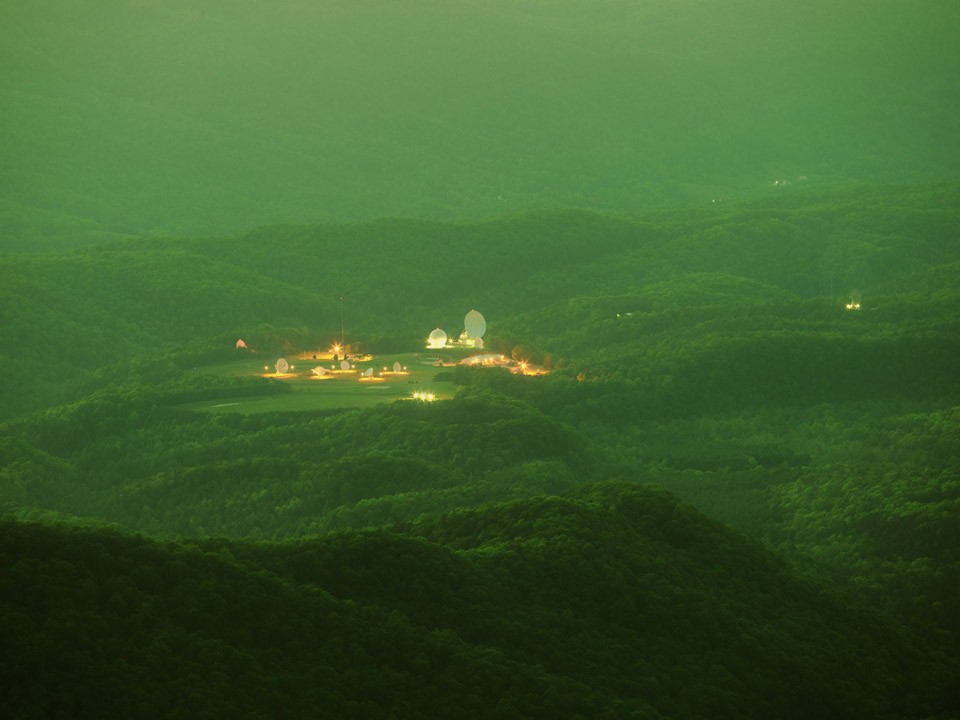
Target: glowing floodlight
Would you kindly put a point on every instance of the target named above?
(437, 339)
(397, 367)
(282, 366)
(474, 324)
(344, 364)
(241, 344)
(854, 303)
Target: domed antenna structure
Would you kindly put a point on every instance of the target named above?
(282, 366)
(437, 339)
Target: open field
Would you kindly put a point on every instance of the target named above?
(337, 390)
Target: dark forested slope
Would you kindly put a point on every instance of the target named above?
(607, 602)
(133, 461)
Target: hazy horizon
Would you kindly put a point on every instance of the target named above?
(134, 117)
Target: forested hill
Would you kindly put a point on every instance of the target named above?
(708, 350)
(613, 601)
(72, 319)
(124, 117)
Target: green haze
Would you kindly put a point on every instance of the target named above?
(126, 117)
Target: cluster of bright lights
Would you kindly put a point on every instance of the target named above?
(425, 396)
(853, 305)
(488, 359)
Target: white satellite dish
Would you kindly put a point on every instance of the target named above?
(478, 343)
(282, 366)
(368, 372)
(319, 371)
(344, 364)
(474, 324)
(397, 367)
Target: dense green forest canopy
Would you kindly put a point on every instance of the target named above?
(707, 351)
(125, 117)
(612, 601)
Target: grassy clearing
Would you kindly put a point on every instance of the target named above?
(343, 390)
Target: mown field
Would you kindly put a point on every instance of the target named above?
(338, 389)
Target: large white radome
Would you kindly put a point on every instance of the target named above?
(437, 339)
